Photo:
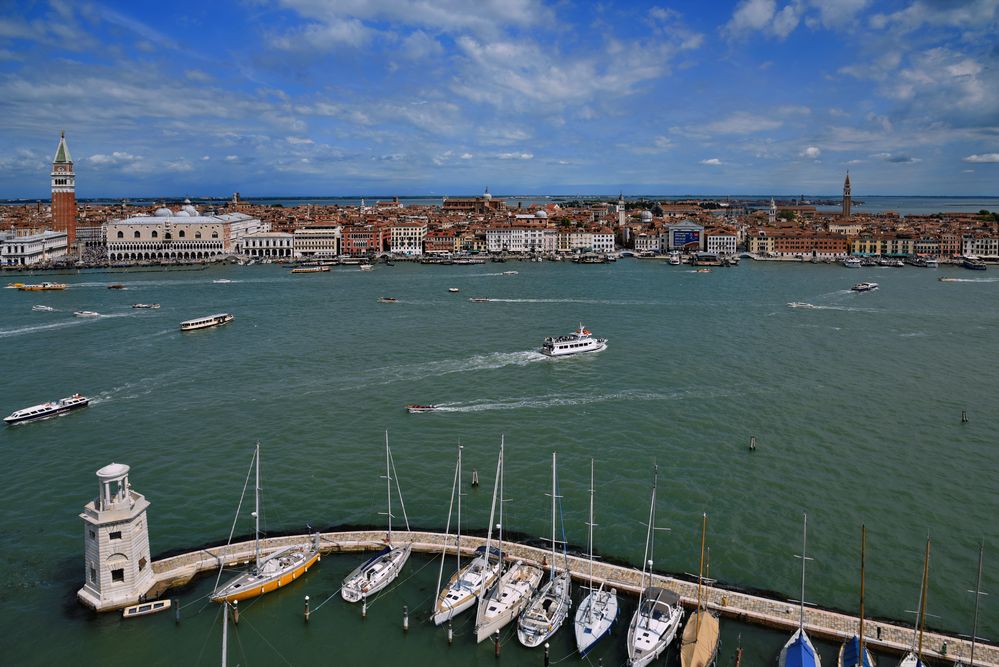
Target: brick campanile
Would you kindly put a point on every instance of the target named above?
(64, 192)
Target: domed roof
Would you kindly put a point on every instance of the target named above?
(182, 214)
(486, 195)
(191, 211)
(113, 470)
(541, 214)
(163, 212)
(646, 216)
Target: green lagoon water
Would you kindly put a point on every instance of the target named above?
(856, 405)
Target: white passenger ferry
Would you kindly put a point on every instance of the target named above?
(48, 409)
(205, 322)
(580, 340)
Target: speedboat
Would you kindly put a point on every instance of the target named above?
(42, 309)
(950, 280)
(117, 286)
(387, 299)
(973, 263)
(703, 271)
(800, 304)
(479, 299)
(453, 290)
(365, 267)
(864, 287)
(509, 273)
(852, 263)
(15, 285)
(222, 281)
(49, 409)
(414, 409)
(86, 313)
(145, 305)
(580, 340)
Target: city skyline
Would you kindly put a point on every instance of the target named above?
(302, 97)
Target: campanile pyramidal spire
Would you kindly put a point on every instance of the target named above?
(846, 196)
(64, 192)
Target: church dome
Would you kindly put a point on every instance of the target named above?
(191, 211)
(486, 195)
(541, 214)
(646, 216)
(182, 214)
(163, 212)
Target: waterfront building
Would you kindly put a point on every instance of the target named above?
(440, 243)
(64, 192)
(26, 247)
(847, 198)
(117, 568)
(407, 237)
(92, 237)
(318, 241)
(899, 246)
(361, 240)
(521, 239)
(268, 244)
(181, 235)
(647, 243)
(806, 245)
(984, 247)
(685, 236)
(849, 228)
(866, 245)
(721, 241)
(602, 241)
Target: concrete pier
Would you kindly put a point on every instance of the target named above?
(773, 613)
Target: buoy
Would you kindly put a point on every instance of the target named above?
(496, 643)
(235, 612)
(307, 609)
(405, 618)
(752, 443)
(450, 633)
(475, 477)
(964, 416)
(364, 607)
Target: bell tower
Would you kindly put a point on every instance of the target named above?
(846, 196)
(116, 543)
(772, 216)
(64, 192)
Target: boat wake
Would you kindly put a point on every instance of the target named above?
(76, 321)
(812, 306)
(563, 400)
(970, 280)
(478, 362)
(598, 302)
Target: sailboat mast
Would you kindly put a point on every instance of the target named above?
(978, 596)
(388, 487)
(492, 507)
(591, 530)
(552, 571)
(502, 464)
(225, 633)
(648, 537)
(922, 597)
(447, 530)
(863, 546)
(458, 490)
(256, 509)
(700, 572)
(804, 557)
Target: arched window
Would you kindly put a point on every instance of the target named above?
(121, 234)
(215, 235)
(167, 236)
(136, 234)
(197, 235)
(156, 234)
(180, 234)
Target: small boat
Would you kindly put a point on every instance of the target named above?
(146, 608)
(973, 263)
(145, 305)
(414, 409)
(42, 309)
(86, 313)
(950, 280)
(453, 290)
(15, 285)
(222, 281)
(703, 271)
(387, 299)
(932, 263)
(852, 263)
(799, 651)
(117, 286)
(205, 322)
(598, 611)
(42, 287)
(853, 652)
(674, 259)
(365, 267)
(580, 340)
(864, 287)
(800, 304)
(510, 273)
(310, 269)
(270, 572)
(50, 409)
(479, 299)
(699, 644)
(381, 569)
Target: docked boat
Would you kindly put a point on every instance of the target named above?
(970, 262)
(273, 571)
(42, 309)
(864, 287)
(50, 409)
(415, 409)
(799, 651)
(117, 286)
(381, 569)
(978, 599)
(914, 658)
(550, 606)
(42, 287)
(453, 290)
(599, 609)
(657, 619)
(86, 313)
(145, 305)
(387, 299)
(146, 608)
(515, 587)
(473, 580)
(853, 652)
(852, 263)
(699, 644)
(208, 321)
(580, 340)
(932, 263)
(479, 299)
(674, 259)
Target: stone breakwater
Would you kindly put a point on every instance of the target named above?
(780, 614)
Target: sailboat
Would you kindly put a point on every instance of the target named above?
(978, 597)
(799, 651)
(381, 569)
(699, 645)
(915, 657)
(659, 613)
(513, 591)
(597, 613)
(852, 649)
(469, 582)
(550, 606)
(272, 571)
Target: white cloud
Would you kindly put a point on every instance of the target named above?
(299, 141)
(206, 157)
(751, 15)
(419, 45)
(515, 156)
(198, 75)
(978, 14)
(983, 158)
(178, 166)
(897, 158)
(115, 159)
(318, 37)
(743, 122)
(714, 162)
(467, 156)
(811, 152)
(231, 158)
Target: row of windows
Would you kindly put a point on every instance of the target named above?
(181, 234)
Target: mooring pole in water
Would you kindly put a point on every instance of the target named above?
(235, 612)
(964, 416)
(176, 615)
(364, 606)
(405, 618)
(752, 443)
(548, 660)
(450, 633)
(307, 609)
(475, 477)
(496, 642)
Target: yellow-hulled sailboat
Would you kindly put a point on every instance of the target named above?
(272, 571)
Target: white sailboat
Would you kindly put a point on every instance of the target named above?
(799, 651)
(550, 606)
(659, 613)
(469, 582)
(272, 571)
(598, 611)
(915, 657)
(513, 591)
(381, 569)
(699, 644)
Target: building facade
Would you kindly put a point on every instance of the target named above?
(318, 241)
(268, 244)
(17, 249)
(184, 235)
(407, 238)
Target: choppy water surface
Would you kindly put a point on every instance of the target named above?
(856, 405)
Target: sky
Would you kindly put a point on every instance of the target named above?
(439, 97)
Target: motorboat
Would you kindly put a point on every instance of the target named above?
(117, 286)
(42, 309)
(479, 299)
(864, 287)
(852, 263)
(15, 285)
(387, 299)
(932, 263)
(674, 259)
(703, 271)
(599, 609)
(415, 409)
(50, 409)
(145, 305)
(579, 341)
(42, 287)
(146, 608)
(365, 267)
(453, 290)
(222, 281)
(510, 273)
(800, 304)
(970, 262)
(950, 280)
(86, 313)
(208, 321)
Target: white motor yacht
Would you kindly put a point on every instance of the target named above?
(580, 340)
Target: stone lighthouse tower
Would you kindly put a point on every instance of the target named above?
(64, 193)
(116, 543)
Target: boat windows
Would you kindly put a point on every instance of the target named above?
(118, 575)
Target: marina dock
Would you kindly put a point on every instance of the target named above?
(755, 609)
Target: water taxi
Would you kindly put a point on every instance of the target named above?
(42, 287)
(973, 263)
(117, 286)
(510, 273)
(146, 608)
(205, 322)
(864, 287)
(86, 313)
(49, 409)
(580, 340)
(311, 269)
(950, 280)
(415, 409)
(800, 304)
(453, 290)
(387, 299)
(42, 309)
(145, 305)
(479, 299)
(703, 271)
(852, 263)
(365, 267)
(222, 281)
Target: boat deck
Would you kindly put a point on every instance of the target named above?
(758, 610)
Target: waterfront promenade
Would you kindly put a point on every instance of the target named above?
(755, 609)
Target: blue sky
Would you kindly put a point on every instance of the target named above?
(345, 97)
